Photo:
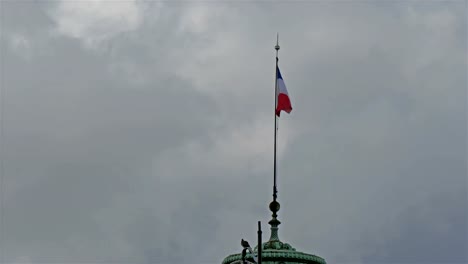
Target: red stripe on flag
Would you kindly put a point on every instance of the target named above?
(284, 104)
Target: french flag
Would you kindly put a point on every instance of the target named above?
(282, 97)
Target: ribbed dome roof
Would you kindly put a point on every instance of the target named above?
(274, 251)
(278, 256)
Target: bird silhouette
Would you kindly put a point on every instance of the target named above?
(245, 244)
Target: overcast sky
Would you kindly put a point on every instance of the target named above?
(141, 131)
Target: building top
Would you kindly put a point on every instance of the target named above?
(274, 251)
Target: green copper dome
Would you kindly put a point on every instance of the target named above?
(275, 251)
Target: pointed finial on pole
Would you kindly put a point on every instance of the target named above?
(277, 47)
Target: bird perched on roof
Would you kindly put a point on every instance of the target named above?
(245, 244)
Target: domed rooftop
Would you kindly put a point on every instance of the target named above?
(274, 251)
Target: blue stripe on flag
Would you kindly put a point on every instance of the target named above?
(278, 73)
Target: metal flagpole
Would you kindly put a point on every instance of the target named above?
(259, 245)
(277, 47)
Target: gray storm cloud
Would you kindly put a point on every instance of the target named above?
(131, 131)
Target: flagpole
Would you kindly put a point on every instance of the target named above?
(277, 47)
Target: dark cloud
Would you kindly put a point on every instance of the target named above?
(432, 231)
(132, 133)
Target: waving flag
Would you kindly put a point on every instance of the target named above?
(282, 97)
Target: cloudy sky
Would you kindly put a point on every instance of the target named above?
(141, 131)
